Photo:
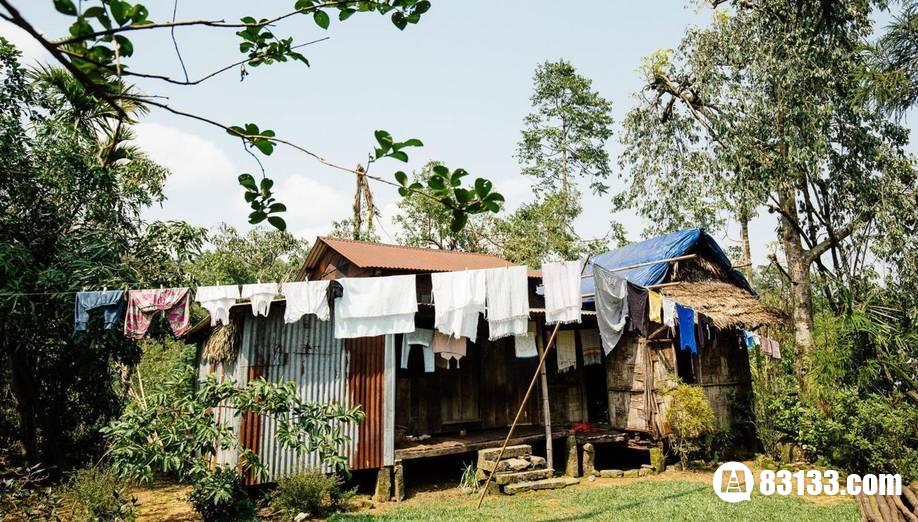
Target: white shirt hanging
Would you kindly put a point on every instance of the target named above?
(372, 306)
(508, 301)
(419, 337)
(305, 297)
(669, 312)
(567, 351)
(217, 300)
(524, 346)
(261, 295)
(562, 292)
(459, 298)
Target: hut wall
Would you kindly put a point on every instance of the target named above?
(630, 367)
(484, 392)
(723, 372)
(324, 370)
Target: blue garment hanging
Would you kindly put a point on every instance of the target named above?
(110, 301)
(686, 317)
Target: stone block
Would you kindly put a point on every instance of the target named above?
(611, 473)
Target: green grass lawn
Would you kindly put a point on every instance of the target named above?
(656, 500)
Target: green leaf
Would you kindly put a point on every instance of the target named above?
(321, 19)
(402, 178)
(265, 146)
(278, 222)
(119, 10)
(441, 170)
(436, 183)
(248, 181)
(384, 138)
(345, 14)
(459, 221)
(399, 155)
(413, 142)
(266, 184)
(482, 187)
(399, 20)
(257, 217)
(302, 4)
(463, 196)
(277, 207)
(422, 7)
(125, 47)
(66, 7)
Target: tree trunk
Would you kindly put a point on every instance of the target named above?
(746, 260)
(798, 268)
(23, 388)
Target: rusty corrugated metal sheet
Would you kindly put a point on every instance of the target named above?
(395, 257)
(366, 385)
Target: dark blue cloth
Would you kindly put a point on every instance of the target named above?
(686, 317)
(110, 301)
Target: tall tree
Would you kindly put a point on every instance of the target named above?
(565, 136)
(67, 222)
(264, 254)
(769, 97)
(563, 142)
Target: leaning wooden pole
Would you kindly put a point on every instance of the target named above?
(535, 376)
(546, 405)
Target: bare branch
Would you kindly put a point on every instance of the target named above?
(175, 42)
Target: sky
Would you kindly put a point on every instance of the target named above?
(460, 81)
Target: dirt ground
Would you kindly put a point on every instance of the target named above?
(164, 502)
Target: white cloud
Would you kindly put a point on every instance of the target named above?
(32, 51)
(202, 187)
(311, 205)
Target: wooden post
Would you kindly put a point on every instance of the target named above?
(546, 407)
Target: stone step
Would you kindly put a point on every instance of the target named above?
(509, 465)
(549, 483)
(503, 479)
(490, 454)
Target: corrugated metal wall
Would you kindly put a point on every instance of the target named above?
(307, 353)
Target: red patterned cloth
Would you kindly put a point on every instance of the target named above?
(143, 304)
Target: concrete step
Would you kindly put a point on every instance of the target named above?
(490, 454)
(509, 465)
(503, 479)
(549, 483)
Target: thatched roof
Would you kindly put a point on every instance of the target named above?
(726, 304)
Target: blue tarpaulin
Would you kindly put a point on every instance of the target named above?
(674, 244)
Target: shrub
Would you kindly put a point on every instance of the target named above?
(690, 417)
(311, 492)
(468, 482)
(100, 495)
(25, 494)
(221, 496)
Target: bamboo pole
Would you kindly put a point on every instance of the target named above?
(546, 406)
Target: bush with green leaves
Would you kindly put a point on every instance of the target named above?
(100, 495)
(311, 492)
(28, 494)
(221, 496)
(690, 418)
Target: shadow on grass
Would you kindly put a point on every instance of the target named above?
(618, 507)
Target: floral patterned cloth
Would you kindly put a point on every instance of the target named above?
(142, 305)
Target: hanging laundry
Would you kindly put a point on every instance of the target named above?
(686, 328)
(562, 292)
(567, 351)
(706, 331)
(669, 312)
(748, 339)
(611, 306)
(305, 297)
(508, 301)
(142, 305)
(459, 298)
(524, 346)
(110, 301)
(655, 307)
(374, 306)
(449, 347)
(261, 295)
(775, 349)
(419, 337)
(591, 343)
(217, 300)
(637, 310)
